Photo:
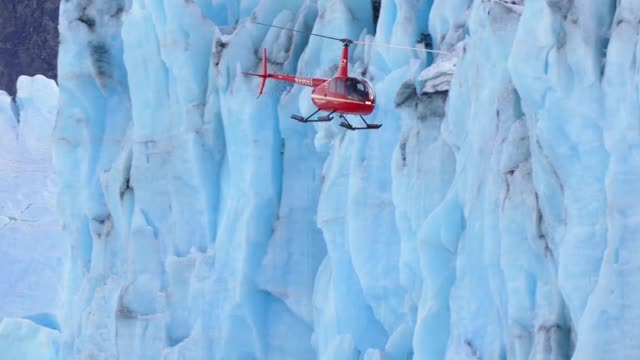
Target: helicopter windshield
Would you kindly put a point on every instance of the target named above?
(358, 89)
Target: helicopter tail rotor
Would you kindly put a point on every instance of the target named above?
(264, 74)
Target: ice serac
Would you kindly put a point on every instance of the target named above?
(492, 216)
(94, 115)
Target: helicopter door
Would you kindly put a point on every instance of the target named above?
(339, 86)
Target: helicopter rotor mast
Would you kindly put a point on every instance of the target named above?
(343, 68)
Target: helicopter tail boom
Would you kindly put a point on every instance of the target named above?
(299, 80)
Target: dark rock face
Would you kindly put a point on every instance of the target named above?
(28, 40)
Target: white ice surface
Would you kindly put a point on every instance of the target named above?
(32, 245)
(32, 248)
(24, 339)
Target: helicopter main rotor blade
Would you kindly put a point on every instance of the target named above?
(400, 47)
(298, 31)
(346, 40)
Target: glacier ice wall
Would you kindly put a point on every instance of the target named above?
(490, 217)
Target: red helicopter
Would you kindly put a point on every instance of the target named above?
(340, 94)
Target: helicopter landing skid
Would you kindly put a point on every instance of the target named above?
(308, 118)
(347, 125)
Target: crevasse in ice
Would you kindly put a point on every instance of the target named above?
(492, 216)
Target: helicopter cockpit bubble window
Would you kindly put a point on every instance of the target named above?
(370, 90)
(358, 89)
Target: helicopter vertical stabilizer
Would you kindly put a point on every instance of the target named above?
(264, 71)
(264, 74)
